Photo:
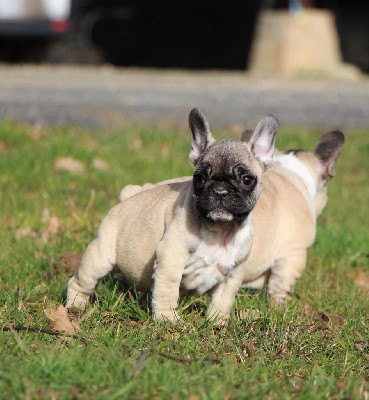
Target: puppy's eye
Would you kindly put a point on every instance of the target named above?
(199, 179)
(248, 180)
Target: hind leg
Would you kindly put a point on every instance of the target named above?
(257, 283)
(284, 275)
(95, 264)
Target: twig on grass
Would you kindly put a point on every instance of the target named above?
(51, 332)
(146, 352)
(139, 363)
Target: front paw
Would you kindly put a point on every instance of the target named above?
(218, 317)
(279, 299)
(77, 299)
(167, 316)
(75, 296)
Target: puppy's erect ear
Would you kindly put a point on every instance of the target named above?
(328, 149)
(201, 135)
(262, 140)
(246, 135)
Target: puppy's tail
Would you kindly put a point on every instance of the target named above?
(131, 190)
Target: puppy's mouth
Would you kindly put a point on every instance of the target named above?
(229, 208)
(220, 214)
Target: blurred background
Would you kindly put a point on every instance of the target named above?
(187, 34)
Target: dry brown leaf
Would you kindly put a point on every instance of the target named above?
(341, 384)
(89, 142)
(350, 178)
(7, 221)
(68, 263)
(60, 320)
(4, 147)
(361, 346)
(100, 164)
(137, 143)
(69, 164)
(334, 319)
(280, 353)
(37, 132)
(244, 313)
(165, 150)
(362, 279)
(24, 232)
(53, 225)
(247, 353)
(308, 311)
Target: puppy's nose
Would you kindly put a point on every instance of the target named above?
(220, 191)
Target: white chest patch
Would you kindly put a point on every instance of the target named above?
(293, 164)
(215, 257)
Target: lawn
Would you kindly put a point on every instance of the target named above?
(317, 347)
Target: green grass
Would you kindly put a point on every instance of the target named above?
(314, 348)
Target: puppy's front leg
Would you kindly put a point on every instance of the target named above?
(284, 274)
(224, 295)
(171, 256)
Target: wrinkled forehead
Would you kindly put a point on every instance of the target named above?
(224, 155)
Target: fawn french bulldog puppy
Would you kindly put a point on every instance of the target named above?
(284, 219)
(188, 234)
(294, 194)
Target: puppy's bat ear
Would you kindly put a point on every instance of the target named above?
(201, 136)
(262, 140)
(246, 135)
(328, 149)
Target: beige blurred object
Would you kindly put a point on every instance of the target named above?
(297, 43)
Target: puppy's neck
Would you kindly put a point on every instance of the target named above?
(292, 164)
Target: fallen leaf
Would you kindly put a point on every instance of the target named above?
(279, 353)
(37, 132)
(325, 317)
(100, 164)
(193, 397)
(350, 178)
(341, 384)
(60, 320)
(24, 232)
(69, 164)
(247, 353)
(362, 279)
(90, 142)
(75, 391)
(308, 311)
(361, 346)
(68, 263)
(7, 221)
(3, 147)
(165, 150)
(244, 313)
(137, 143)
(334, 319)
(53, 224)
(242, 356)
